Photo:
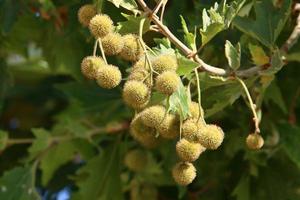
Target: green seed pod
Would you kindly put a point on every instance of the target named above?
(142, 133)
(184, 173)
(140, 75)
(153, 116)
(109, 77)
(167, 82)
(132, 49)
(112, 44)
(194, 109)
(254, 141)
(164, 63)
(169, 128)
(135, 160)
(86, 13)
(101, 25)
(135, 94)
(90, 66)
(190, 129)
(188, 151)
(211, 136)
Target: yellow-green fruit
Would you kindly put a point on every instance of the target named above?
(140, 75)
(142, 133)
(153, 116)
(188, 151)
(184, 173)
(112, 44)
(141, 64)
(194, 109)
(190, 129)
(254, 141)
(132, 49)
(169, 128)
(86, 13)
(101, 25)
(211, 136)
(90, 66)
(135, 160)
(167, 82)
(109, 76)
(135, 94)
(165, 63)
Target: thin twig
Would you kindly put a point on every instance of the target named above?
(95, 48)
(199, 94)
(102, 50)
(252, 105)
(158, 6)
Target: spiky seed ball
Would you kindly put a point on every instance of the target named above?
(188, 151)
(142, 64)
(165, 62)
(194, 109)
(169, 128)
(135, 160)
(135, 94)
(132, 49)
(90, 66)
(190, 129)
(167, 82)
(112, 44)
(142, 133)
(184, 173)
(86, 13)
(109, 76)
(211, 136)
(140, 75)
(101, 25)
(153, 116)
(254, 141)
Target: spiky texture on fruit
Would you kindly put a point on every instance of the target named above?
(194, 109)
(135, 94)
(153, 116)
(141, 75)
(190, 129)
(90, 66)
(101, 25)
(109, 77)
(135, 160)
(165, 62)
(141, 64)
(169, 128)
(167, 82)
(132, 49)
(142, 133)
(188, 151)
(86, 13)
(184, 173)
(211, 136)
(254, 141)
(112, 44)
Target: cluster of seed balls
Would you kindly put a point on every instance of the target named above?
(152, 123)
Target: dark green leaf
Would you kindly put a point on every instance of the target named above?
(185, 65)
(242, 190)
(132, 25)
(189, 38)
(127, 4)
(3, 139)
(233, 55)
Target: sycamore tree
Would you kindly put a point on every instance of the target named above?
(145, 100)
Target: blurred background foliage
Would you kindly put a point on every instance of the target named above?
(54, 113)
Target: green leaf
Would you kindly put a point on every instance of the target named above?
(258, 55)
(273, 93)
(268, 23)
(100, 177)
(41, 142)
(276, 63)
(185, 65)
(132, 24)
(178, 102)
(127, 4)
(219, 19)
(233, 55)
(17, 184)
(293, 57)
(189, 38)
(290, 135)
(3, 139)
(242, 190)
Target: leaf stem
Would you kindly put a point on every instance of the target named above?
(199, 95)
(252, 105)
(102, 50)
(95, 48)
